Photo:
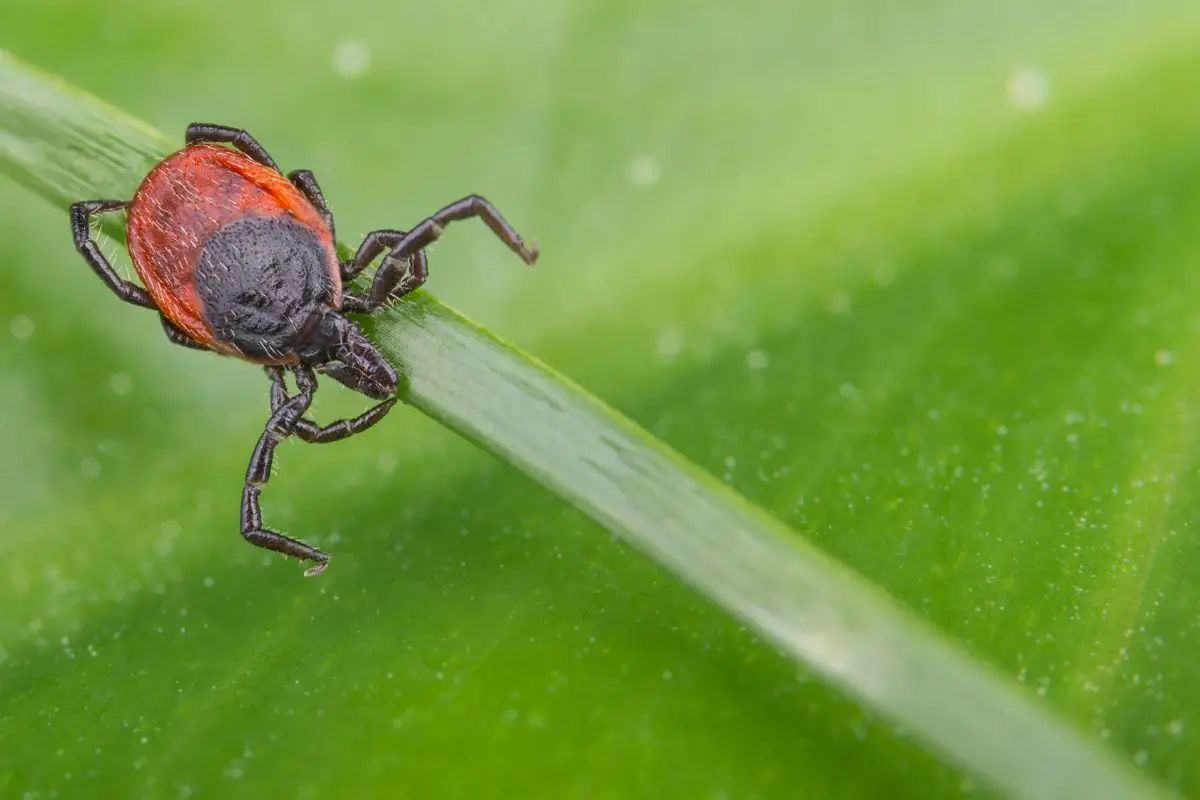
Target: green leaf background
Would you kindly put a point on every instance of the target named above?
(914, 278)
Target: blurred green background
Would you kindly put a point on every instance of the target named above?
(917, 278)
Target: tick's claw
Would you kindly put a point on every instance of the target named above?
(316, 569)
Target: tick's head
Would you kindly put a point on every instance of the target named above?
(320, 337)
(336, 347)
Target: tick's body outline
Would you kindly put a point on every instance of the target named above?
(240, 260)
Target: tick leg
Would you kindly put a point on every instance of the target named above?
(428, 231)
(313, 433)
(220, 134)
(281, 425)
(306, 182)
(472, 206)
(372, 245)
(391, 283)
(81, 214)
(396, 283)
(178, 337)
(356, 304)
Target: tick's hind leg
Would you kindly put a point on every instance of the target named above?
(281, 424)
(81, 214)
(220, 134)
(414, 242)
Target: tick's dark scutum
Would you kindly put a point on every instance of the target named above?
(261, 281)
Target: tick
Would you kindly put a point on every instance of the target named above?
(238, 259)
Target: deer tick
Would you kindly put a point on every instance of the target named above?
(239, 259)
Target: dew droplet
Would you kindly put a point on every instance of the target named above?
(644, 171)
(757, 359)
(21, 327)
(1028, 89)
(351, 59)
(121, 383)
(670, 343)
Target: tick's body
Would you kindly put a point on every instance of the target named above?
(231, 252)
(240, 260)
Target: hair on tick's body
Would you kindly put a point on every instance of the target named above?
(239, 259)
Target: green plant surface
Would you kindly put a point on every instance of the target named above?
(955, 353)
(64, 144)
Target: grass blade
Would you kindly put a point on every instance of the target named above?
(66, 146)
